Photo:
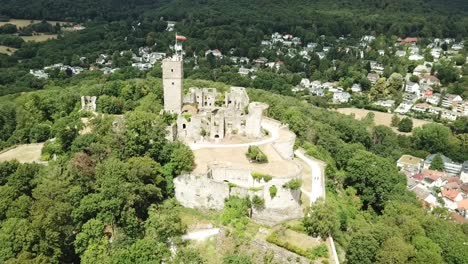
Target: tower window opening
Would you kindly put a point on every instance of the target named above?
(172, 70)
(172, 83)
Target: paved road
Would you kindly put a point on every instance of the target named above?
(317, 177)
(269, 126)
(318, 190)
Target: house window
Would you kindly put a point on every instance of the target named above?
(184, 126)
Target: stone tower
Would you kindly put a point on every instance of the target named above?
(173, 75)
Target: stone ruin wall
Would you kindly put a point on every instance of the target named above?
(210, 191)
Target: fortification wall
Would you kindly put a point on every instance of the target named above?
(210, 191)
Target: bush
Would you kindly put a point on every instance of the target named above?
(258, 202)
(318, 252)
(293, 184)
(312, 254)
(258, 176)
(254, 154)
(273, 190)
(405, 125)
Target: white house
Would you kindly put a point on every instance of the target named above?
(451, 197)
(341, 97)
(356, 88)
(421, 70)
(413, 88)
(433, 99)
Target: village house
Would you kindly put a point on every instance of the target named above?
(341, 97)
(452, 168)
(464, 172)
(40, 74)
(407, 40)
(216, 53)
(429, 80)
(421, 70)
(449, 115)
(403, 108)
(385, 103)
(376, 67)
(422, 107)
(434, 99)
(415, 57)
(400, 53)
(462, 208)
(356, 88)
(462, 108)
(410, 165)
(433, 178)
(373, 77)
(424, 195)
(450, 100)
(413, 88)
(451, 197)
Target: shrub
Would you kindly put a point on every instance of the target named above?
(258, 202)
(293, 184)
(405, 125)
(273, 190)
(258, 176)
(318, 252)
(254, 154)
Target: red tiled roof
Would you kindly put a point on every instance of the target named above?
(451, 194)
(418, 176)
(463, 204)
(408, 40)
(434, 175)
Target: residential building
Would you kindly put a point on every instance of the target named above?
(433, 178)
(421, 70)
(410, 165)
(422, 107)
(413, 88)
(216, 53)
(452, 168)
(450, 99)
(403, 108)
(373, 77)
(434, 99)
(451, 198)
(40, 74)
(341, 97)
(462, 208)
(356, 88)
(429, 80)
(385, 103)
(449, 115)
(464, 172)
(400, 53)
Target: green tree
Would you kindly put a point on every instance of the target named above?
(362, 249)
(437, 163)
(405, 125)
(432, 138)
(395, 250)
(321, 218)
(395, 121)
(187, 255)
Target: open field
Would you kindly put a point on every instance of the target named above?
(380, 117)
(27, 153)
(39, 38)
(7, 50)
(27, 22)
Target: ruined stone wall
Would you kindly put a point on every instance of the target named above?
(210, 190)
(88, 103)
(253, 126)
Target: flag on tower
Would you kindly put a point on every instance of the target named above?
(180, 38)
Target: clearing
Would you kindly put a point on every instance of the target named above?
(380, 117)
(27, 153)
(39, 37)
(7, 50)
(26, 22)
